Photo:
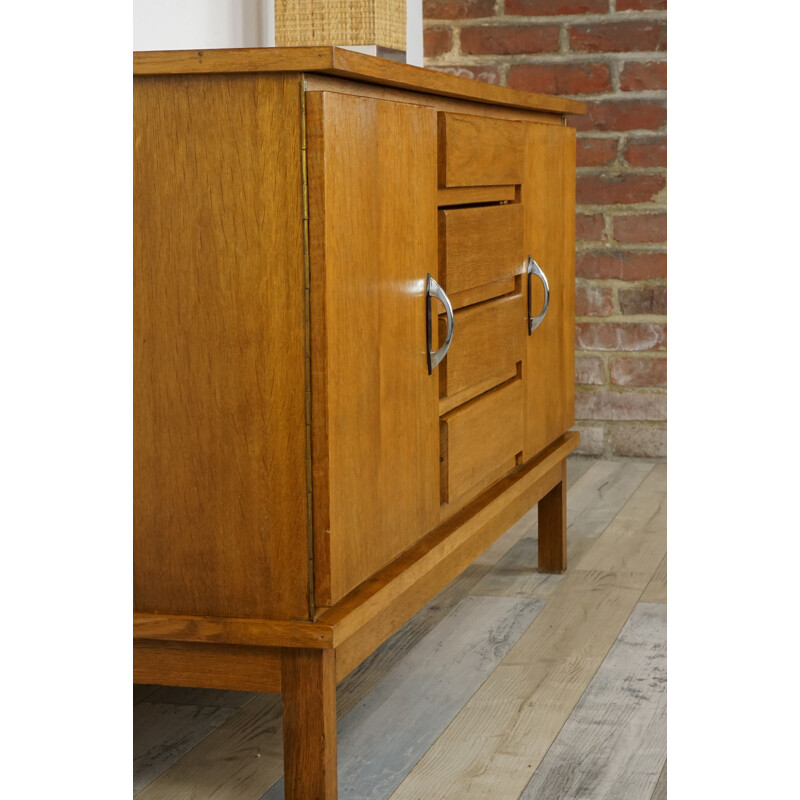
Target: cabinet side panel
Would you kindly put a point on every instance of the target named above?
(219, 347)
(548, 195)
(376, 192)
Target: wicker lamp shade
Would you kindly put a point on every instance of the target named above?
(341, 22)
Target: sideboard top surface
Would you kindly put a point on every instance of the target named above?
(348, 64)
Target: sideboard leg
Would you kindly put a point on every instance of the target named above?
(309, 724)
(553, 527)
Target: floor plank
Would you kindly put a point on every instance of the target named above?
(378, 664)
(425, 691)
(660, 792)
(243, 756)
(614, 743)
(163, 732)
(577, 465)
(592, 503)
(499, 738)
(237, 761)
(228, 755)
(656, 591)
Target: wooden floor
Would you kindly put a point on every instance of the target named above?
(509, 685)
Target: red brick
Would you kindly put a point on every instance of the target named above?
(624, 115)
(647, 152)
(611, 189)
(592, 443)
(628, 336)
(641, 5)
(639, 228)
(596, 152)
(640, 441)
(509, 39)
(546, 8)
(437, 41)
(639, 76)
(619, 37)
(561, 78)
(457, 9)
(646, 300)
(639, 371)
(589, 371)
(593, 301)
(486, 74)
(620, 405)
(621, 265)
(589, 227)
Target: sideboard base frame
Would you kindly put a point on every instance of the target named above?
(304, 661)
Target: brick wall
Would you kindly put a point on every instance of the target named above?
(612, 54)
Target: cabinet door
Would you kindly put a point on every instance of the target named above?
(548, 197)
(373, 227)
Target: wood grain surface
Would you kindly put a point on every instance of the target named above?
(372, 167)
(219, 391)
(592, 503)
(213, 666)
(499, 738)
(336, 61)
(480, 245)
(460, 196)
(164, 732)
(548, 198)
(238, 761)
(425, 689)
(660, 791)
(476, 151)
(552, 556)
(489, 346)
(369, 615)
(487, 291)
(656, 591)
(318, 82)
(242, 758)
(274, 633)
(480, 442)
(309, 724)
(613, 744)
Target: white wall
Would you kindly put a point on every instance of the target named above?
(207, 24)
(197, 24)
(414, 32)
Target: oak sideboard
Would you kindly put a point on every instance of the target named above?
(353, 360)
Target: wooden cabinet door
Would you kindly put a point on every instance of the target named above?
(373, 233)
(548, 197)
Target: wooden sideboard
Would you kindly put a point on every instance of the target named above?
(353, 360)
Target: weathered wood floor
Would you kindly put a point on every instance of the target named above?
(509, 685)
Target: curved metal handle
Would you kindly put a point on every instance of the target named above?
(435, 356)
(535, 269)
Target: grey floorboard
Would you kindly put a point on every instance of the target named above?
(385, 735)
(613, 745)
(660, 792)
(163, 732)
(592, 503)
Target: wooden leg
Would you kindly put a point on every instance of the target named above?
(553, 527)
(309, 724)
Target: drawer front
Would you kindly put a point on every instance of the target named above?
(479, 246)
(480, 442)
(488, 345)
(480, 151)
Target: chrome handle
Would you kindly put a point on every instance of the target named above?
(435, 356)
(535, 269)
